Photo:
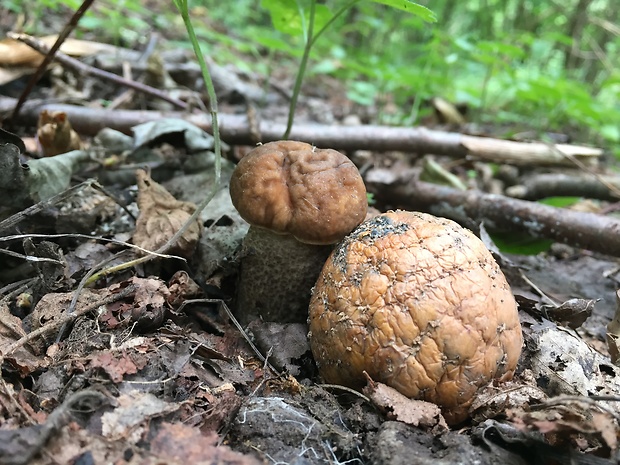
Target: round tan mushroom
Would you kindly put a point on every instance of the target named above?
(299, 200)
(418, 303)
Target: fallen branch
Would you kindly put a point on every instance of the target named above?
(561, 185)
(499, 213)
(235, 129)
(87, 70)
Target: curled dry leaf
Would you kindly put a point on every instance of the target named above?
(613, 334)
(572, 313)
(161, 216)
(115, 365)
(401, 408)
(55, 134)
(148, 308)
(494, 400)
(177, 441)
(567, 421)
(181, 288)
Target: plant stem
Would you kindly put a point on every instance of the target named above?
(333, 19)
(310, 40)
(184, 11)
(300, 72)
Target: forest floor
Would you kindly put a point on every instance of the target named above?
(146, 365)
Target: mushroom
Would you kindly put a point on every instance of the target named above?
(419, 304)
(299, 201)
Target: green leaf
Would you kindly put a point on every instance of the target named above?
(560, 202)
(286, 18)
(521, 243)
(411, 7)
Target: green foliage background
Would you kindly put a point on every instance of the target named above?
(523, 64)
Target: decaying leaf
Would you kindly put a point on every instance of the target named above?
(148, 307)
(53, 306)
(22, 184)
(401, 408)
(179, 442)
(133, 412)
(55, 134)
(195, 138)
(161, 216)
(567, 421)
(52, 266)
(20, 446)
(613, 334)
(495, 400)
(182, 287)
(115, 365)
(23, 358)
(563, 363)
(572, 313)
(286, 343)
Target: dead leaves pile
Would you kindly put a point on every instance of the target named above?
(195, 368)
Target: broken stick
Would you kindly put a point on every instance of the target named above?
(590, 231)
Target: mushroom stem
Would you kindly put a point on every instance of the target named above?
(276, 277)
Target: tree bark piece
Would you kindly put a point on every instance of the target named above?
(235, 129)
(578, 229)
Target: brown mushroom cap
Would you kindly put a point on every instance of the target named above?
(419, 303)
(289, 187)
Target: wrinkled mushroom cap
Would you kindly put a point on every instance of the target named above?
(288, 187)
(419, 303)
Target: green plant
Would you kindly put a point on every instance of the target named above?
(312, 20)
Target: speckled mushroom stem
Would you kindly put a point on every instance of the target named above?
(276, 277)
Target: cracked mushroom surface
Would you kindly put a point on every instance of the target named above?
(298, 200)
(419, 303)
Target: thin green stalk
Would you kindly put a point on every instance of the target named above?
(332, 20)
(300, 72)
(184, 11)
(310, 40)
(206, 75)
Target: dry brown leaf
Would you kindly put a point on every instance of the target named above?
(572, 313)
(178, 442)
(16, 53)
(613, 334)
(115, 366)
(161, 216)
(401, 408)
(55, 134)
(22, 359)
(130, 418)
(565, 421)
(182, 287)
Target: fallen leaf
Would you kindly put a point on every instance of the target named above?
(115, 366)
(134, 408)
(184, 444)
(161, 216)
(401, 408)
(613, 334)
